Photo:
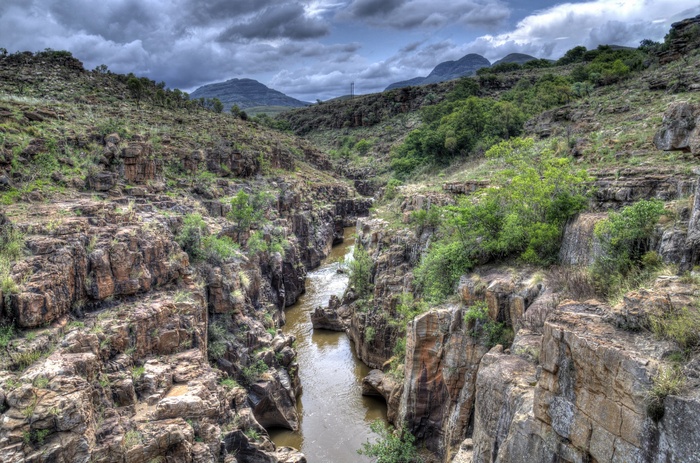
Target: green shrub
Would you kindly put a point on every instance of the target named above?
(491, 332)
(391, 189)
(361, 272)
(7, 334)
(252, 372)
(522, 214)
(391, 446)
(625, 239)
(193, 230)
(370, 332)
(219, 248)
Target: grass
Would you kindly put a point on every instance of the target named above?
(132, 438)
(681, 326)
(138, 372)
(668, 381)
(229, 383)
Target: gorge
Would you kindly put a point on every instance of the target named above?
(505, 268)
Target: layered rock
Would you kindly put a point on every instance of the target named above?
(442, 359)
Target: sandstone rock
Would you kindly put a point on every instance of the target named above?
(274, 402)
(329, 318)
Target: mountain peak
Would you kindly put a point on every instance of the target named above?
(447, 70)
(246, 93)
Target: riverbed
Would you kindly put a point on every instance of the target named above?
(335, 417)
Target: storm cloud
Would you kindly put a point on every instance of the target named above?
(314, 49)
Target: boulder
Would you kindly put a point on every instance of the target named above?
(680, 129)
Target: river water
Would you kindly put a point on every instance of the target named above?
(335, 417)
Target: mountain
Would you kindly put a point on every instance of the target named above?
(519, 58)
(448, 70)
(246, 93)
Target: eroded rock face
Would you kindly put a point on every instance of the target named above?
(68, 267)
(377, 383)
(503, 410)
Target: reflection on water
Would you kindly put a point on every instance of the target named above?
(335, 417)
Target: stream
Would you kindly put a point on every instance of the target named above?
(334, 416)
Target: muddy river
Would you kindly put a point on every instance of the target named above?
(335, 417)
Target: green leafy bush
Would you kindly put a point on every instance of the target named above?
(625, 238)
(490, 331)
(391, 446)
(522, 214)
(360, 273)
(194, 228)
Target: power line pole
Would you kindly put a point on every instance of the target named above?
(352, 90)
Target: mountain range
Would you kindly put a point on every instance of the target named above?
(465, 66)
(246, 93)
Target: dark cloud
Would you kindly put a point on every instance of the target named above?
(280, 21)
(120, 21)
(407, 14)
(370, 8)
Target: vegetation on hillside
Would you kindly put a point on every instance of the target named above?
(521, 214)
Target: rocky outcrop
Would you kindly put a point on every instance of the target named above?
(616, 188)
(681, 40)
(680, 129)
(93, 257)
(586, 401)
(334, 317)
(378, 383)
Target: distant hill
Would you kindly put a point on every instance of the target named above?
(465, 66)
(519, 58)
(246, 93)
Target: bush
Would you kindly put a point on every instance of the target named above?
(522, 214)
(392, 446)
(361, 272)
(194, 228)
(625, 239)
(488, 330)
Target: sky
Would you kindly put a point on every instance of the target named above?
(314, 49)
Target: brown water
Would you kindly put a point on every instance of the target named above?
(335, 417)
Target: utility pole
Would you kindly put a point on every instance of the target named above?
(352, 90)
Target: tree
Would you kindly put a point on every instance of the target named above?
(217, 105)
(242, 211)
(573, 56)
(136, 88)
(235, 110)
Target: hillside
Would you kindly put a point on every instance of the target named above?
(246, 93)
(448, 70)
